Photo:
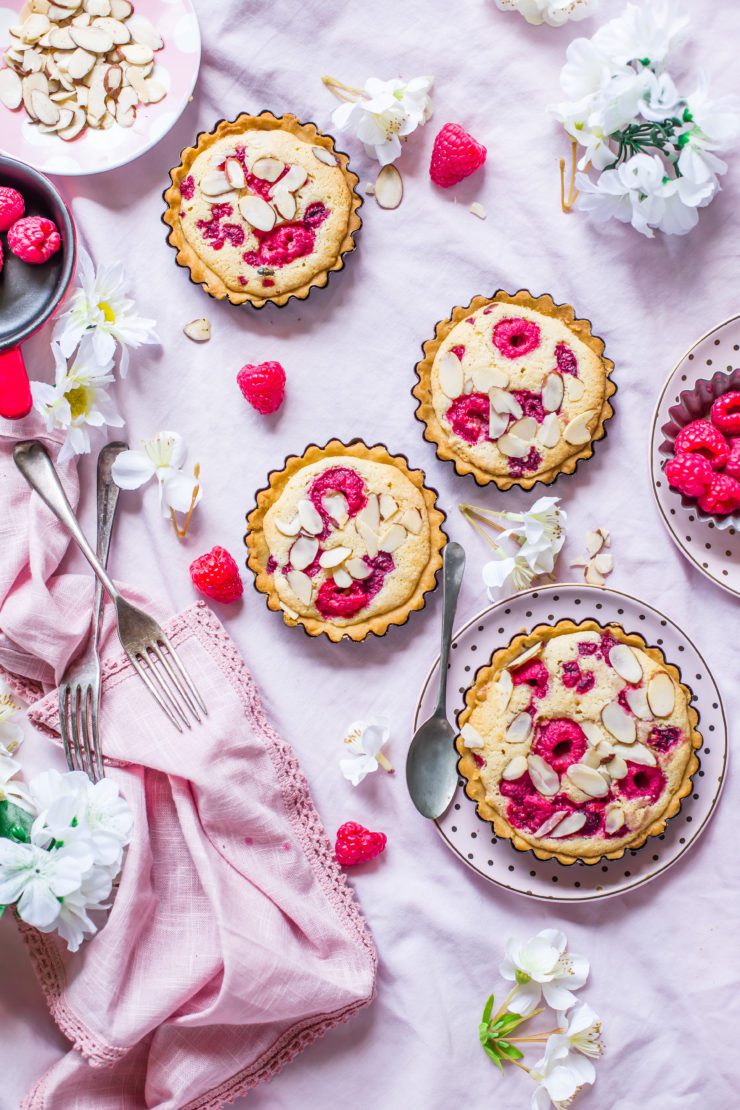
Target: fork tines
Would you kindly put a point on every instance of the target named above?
(78, 724)
(160, 669)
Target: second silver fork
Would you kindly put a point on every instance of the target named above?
(79, 690)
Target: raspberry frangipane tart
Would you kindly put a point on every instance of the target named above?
(514, 389)
(262, 209)
(578, 741)
(345, 540)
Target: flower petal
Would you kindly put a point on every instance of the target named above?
(132, 469)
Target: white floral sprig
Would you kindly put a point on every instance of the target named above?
(382, 113)
(553, 12)
(364, 743)
(162, 457)
(653, 149)
(539, 535)
(543, 965)
(62, 840)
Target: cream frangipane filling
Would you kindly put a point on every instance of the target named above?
(265, 210)
(348, 539)
(515, 391)
(580, 742)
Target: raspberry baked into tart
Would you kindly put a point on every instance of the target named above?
(578, 742)
(345, 540)
(514, 389)
(262, 209)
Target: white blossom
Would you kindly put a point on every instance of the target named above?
(364, 741)
(540, 531)
(162, 457)
(560, 1074)
(386, 112)
(553, 12)
(543, 965)
(506, 574)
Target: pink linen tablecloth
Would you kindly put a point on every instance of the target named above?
(664, 959)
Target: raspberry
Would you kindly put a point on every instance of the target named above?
(263, 385)
(356, 844)
(663, 737)
(732, 466)
(455, 155)
(560, 742)
(641, 782)
(469, 416)
(726, 413)
(1, 258)
(531, 403)
(515, 337)
(701, 437)
(12, 207)
(689, 474)
(566, 360)
(332, 601)
(338, 479)
(217, 576)
(34, 239)
(534, 674)
(722, 497)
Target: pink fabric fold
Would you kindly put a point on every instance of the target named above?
(233, 940)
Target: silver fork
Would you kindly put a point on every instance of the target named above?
(79, 690)
(149, 651)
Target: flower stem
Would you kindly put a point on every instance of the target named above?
(485, 515)
(384, 763)
(533, 1037)
(339, 89)
(181, 533)
(504, 1005)
(566, 203)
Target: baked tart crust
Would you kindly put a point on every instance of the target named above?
(259, 553)
(435, 433)
(188, 257)
(470, 771)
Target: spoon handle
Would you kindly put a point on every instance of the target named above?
(453, 567)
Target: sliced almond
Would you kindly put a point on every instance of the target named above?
(294, 179)
(268, 169)
(616, 767)
(575, 388)
(603, 563)
(300, 584)
(137, 81)
(549, 433)
(588, 780)
(412, 522)
(478, 210)
(359, 569)
(393, 538)
(525, 429)
(638, 703)
(234, 172)
(618, 723)
(591, 758)
(498, 422)
(388, 505)
(519, 729)
(121, 9)
(551, 822)
(334, 557)
(505, 684)
(97, 7)
(485, 378)
(370, 512)
(594, 542)
(552, 392)
(310, 518)
(513, 447)
(593, 576)
(515, 768)
(76, 127)
(134, 52)
(198, 330)
(118, 31)
(289, 527)
(284, 201)
(570, 825)
(94, 39)
(613, 818)
(214, 184)
(369, 538)
(113, 79)
(303, 552)
(155, 91)
(342, 579)
(625, 663)
(637, 753)
(577, 432)
(450, 373)
(531, 653)
(80, 63)
(389, 187)
(471, 736)
(257, 212)
(34, 27)
(661, 694)
(324, 155)
(336, 506)
(11, 89)
(503, 401)
(143, 31)
(593, 732)
(544, 779)
(44, 108)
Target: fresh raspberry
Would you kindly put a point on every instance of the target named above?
(1, 258)
(338, 479)
(469, 416)
(217, 576)
(263, 385)
(515, 337)
(12, 207)
(641, 781)
(664, 737)
(573, 678)
(722, 497)
(732, 466)
(689, 474)
(356, 844)
(531, 403)
(566, 360)
(726, 413)
(534, 674)
(560, 742)
(332, 601)
(701, 437)
(456, 155)
(34, 239)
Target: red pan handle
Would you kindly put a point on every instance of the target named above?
(15, 392)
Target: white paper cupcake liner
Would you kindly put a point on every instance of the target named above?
(695, 404)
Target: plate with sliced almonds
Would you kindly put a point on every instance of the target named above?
(89, 85)
(648, 748)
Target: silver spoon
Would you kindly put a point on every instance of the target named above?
(431, 763)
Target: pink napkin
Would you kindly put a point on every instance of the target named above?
(234, 940)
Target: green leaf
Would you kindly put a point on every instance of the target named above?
(15, 823)
(507, 1022)
(493, 1055)
(2, 910)
(509, 1050)
(483, 1032)
(488, 1010)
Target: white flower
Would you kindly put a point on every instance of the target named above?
(553, 12)
(582, 1030)
(78, 400)
(71, 809)
(560, 1075)
(587, 69)
(388, 111)
(11, 791)
(101, 311)
(365, 741)
(541, 530)
(109, 822)
(36, 878)
(661, 98)
(73, 921)
(162, 457)
(542, 965)
(11, 733)
(716, 121)
(643, 32)
(635, 192)
(507, 574)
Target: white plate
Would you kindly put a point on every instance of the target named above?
(472, 839)
(94, 151)
(713, 551)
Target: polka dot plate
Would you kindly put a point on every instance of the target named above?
(714, 551)
(472, 839)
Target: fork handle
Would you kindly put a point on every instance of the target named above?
(107, 501)
(32, 459)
